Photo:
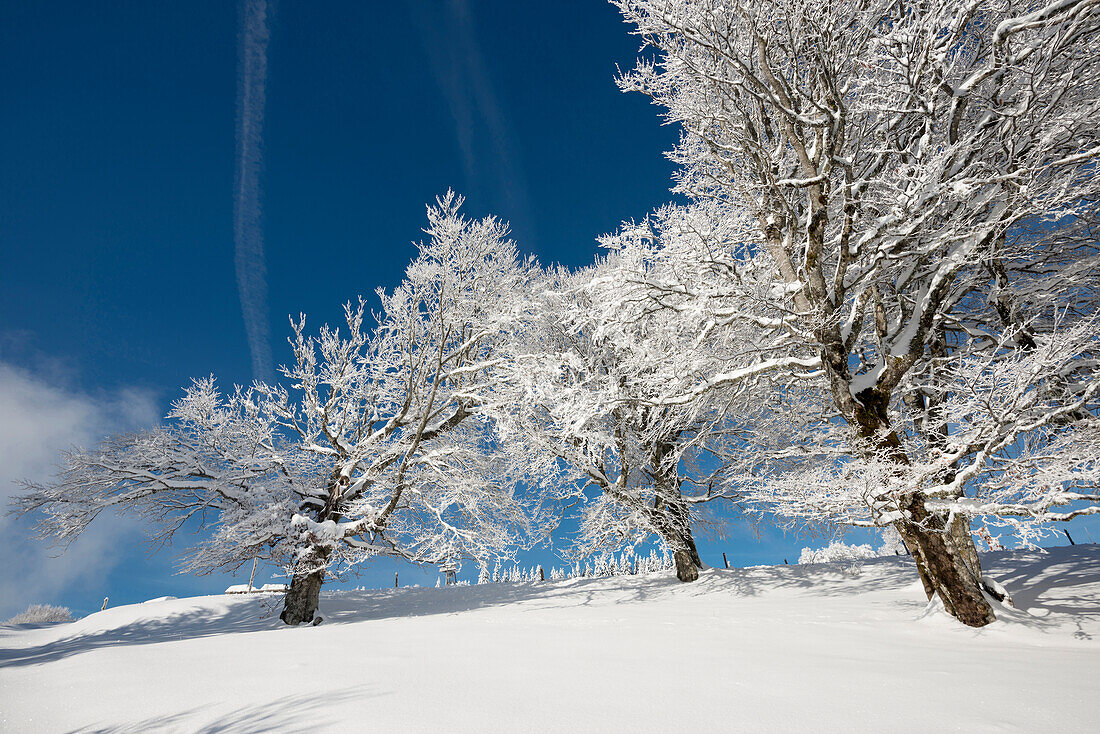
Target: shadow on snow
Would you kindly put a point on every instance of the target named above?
(303, 713)
(1041, 583)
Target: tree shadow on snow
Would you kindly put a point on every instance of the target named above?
(191, 624)
(302, 713)
(823, 579)
(1052, 581)
(343, 607)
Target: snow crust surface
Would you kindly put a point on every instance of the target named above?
(811, 648)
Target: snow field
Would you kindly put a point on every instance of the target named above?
(815, 648)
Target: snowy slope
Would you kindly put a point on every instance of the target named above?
(795, 648)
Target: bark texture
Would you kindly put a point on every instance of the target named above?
(943, 566)
(672, 517)
(303, 596)
(684, 554)
(675, 530)
(963, 540)
(943, 550)
(686, 569)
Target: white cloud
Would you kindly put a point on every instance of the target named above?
(39, 417)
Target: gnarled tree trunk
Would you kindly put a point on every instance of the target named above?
(959, 530)
(679, 538)
(303, 596)
(672, 516)
(944, 552)
(687, 567)
(943, 566)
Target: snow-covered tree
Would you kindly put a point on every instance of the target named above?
(837, 552)
(992, 543)
(380, 442)
(918, 183)
(586, 393)
(219, 461)
(420, 472)
(601, 567)
(42, 614)
(892, 544)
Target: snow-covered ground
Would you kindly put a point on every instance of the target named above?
(787, 648)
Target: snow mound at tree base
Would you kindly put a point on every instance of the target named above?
(820, 648)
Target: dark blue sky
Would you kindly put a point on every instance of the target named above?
(117, 280)
(116, 183)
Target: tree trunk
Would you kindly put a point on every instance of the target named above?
(963, 539)
(679, 537)
(964, 543)
(684, 552)
(686, 569)
(303, 596)
(947, 562)
(943, 566)
(914, 549)
(959, 536)
(671, 516)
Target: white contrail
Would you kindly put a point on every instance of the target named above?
(450, 41)
(509, 172)
(247, 232)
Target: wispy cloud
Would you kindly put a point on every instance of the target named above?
(450, 40)
(42, 416)
(247, 211)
